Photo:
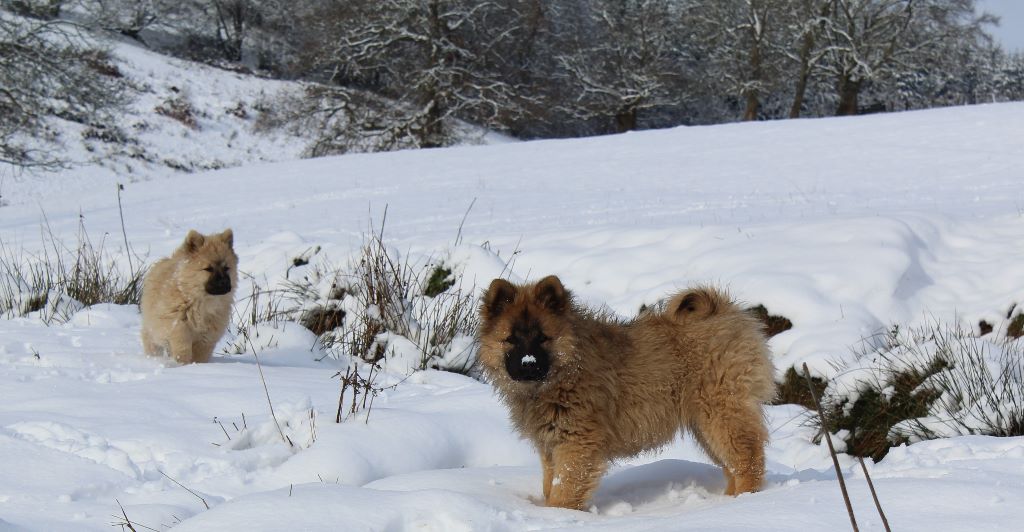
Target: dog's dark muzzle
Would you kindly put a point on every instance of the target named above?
(218, 285)
(524, 366)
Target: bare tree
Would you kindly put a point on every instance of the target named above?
(806, 26)
(232, 18)
(40, 9)
(129, 17)
(48, 70)
(876, 40)
(619, 58)
(436, 58)
(744, 40)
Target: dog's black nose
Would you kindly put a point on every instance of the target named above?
(527, 366)
(218, 285)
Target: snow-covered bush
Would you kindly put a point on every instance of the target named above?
(930, 382)
(377, 306)
(793, 389)
(178, 107)
(389, 309)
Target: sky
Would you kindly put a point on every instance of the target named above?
(1010, 32)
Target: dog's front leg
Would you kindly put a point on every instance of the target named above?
(547, 462)
(577, 470)
(181, 342)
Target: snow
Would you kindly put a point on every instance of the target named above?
(845, 226)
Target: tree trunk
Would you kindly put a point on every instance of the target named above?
(750, 113)
(239, 37)
(849, 91)
(756, 69)
(432, 135)
(433, 131)
(805, 75)
(807, 45)
(625, 120)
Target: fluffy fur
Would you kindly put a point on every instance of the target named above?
(187, 297)
(586, 389)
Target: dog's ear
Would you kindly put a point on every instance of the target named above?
(228, 237)
(552, 295)
(193, 241)
(499, 295)
(687, 304)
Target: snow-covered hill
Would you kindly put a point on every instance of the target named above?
(181, 117)
(845, 226)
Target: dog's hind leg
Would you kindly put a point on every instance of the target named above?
(730, 480)
(734, 435)
(148, 345)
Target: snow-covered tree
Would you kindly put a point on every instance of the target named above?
(437, 58)
(804, 46)
(744, 46)
(129, 17)
(48, 70)
(873, 40)
(619, 58)
(40, 9)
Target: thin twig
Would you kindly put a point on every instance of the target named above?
(128, 522)
(831, 449)
(266, 391)
(458, 236)
(182, 486)
(224, 429)
(871, 486)
(312, 426)
(341, 396)
(124, 233)
(370, 409)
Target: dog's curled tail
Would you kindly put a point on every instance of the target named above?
(697, 303)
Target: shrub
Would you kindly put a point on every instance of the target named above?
(101, 62)
(793, 390)
(1015, 329)
(178, 107)
(376, 306)
(107, 134)
(935, 381)
(772, 324)
(393, 307)
(440, 280)
(61, 280)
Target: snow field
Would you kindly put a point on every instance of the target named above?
(843, 226)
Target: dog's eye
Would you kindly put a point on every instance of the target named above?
(508, 340)
(208, 269)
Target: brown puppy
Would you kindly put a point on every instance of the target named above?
(586, 389)
(187, 297)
